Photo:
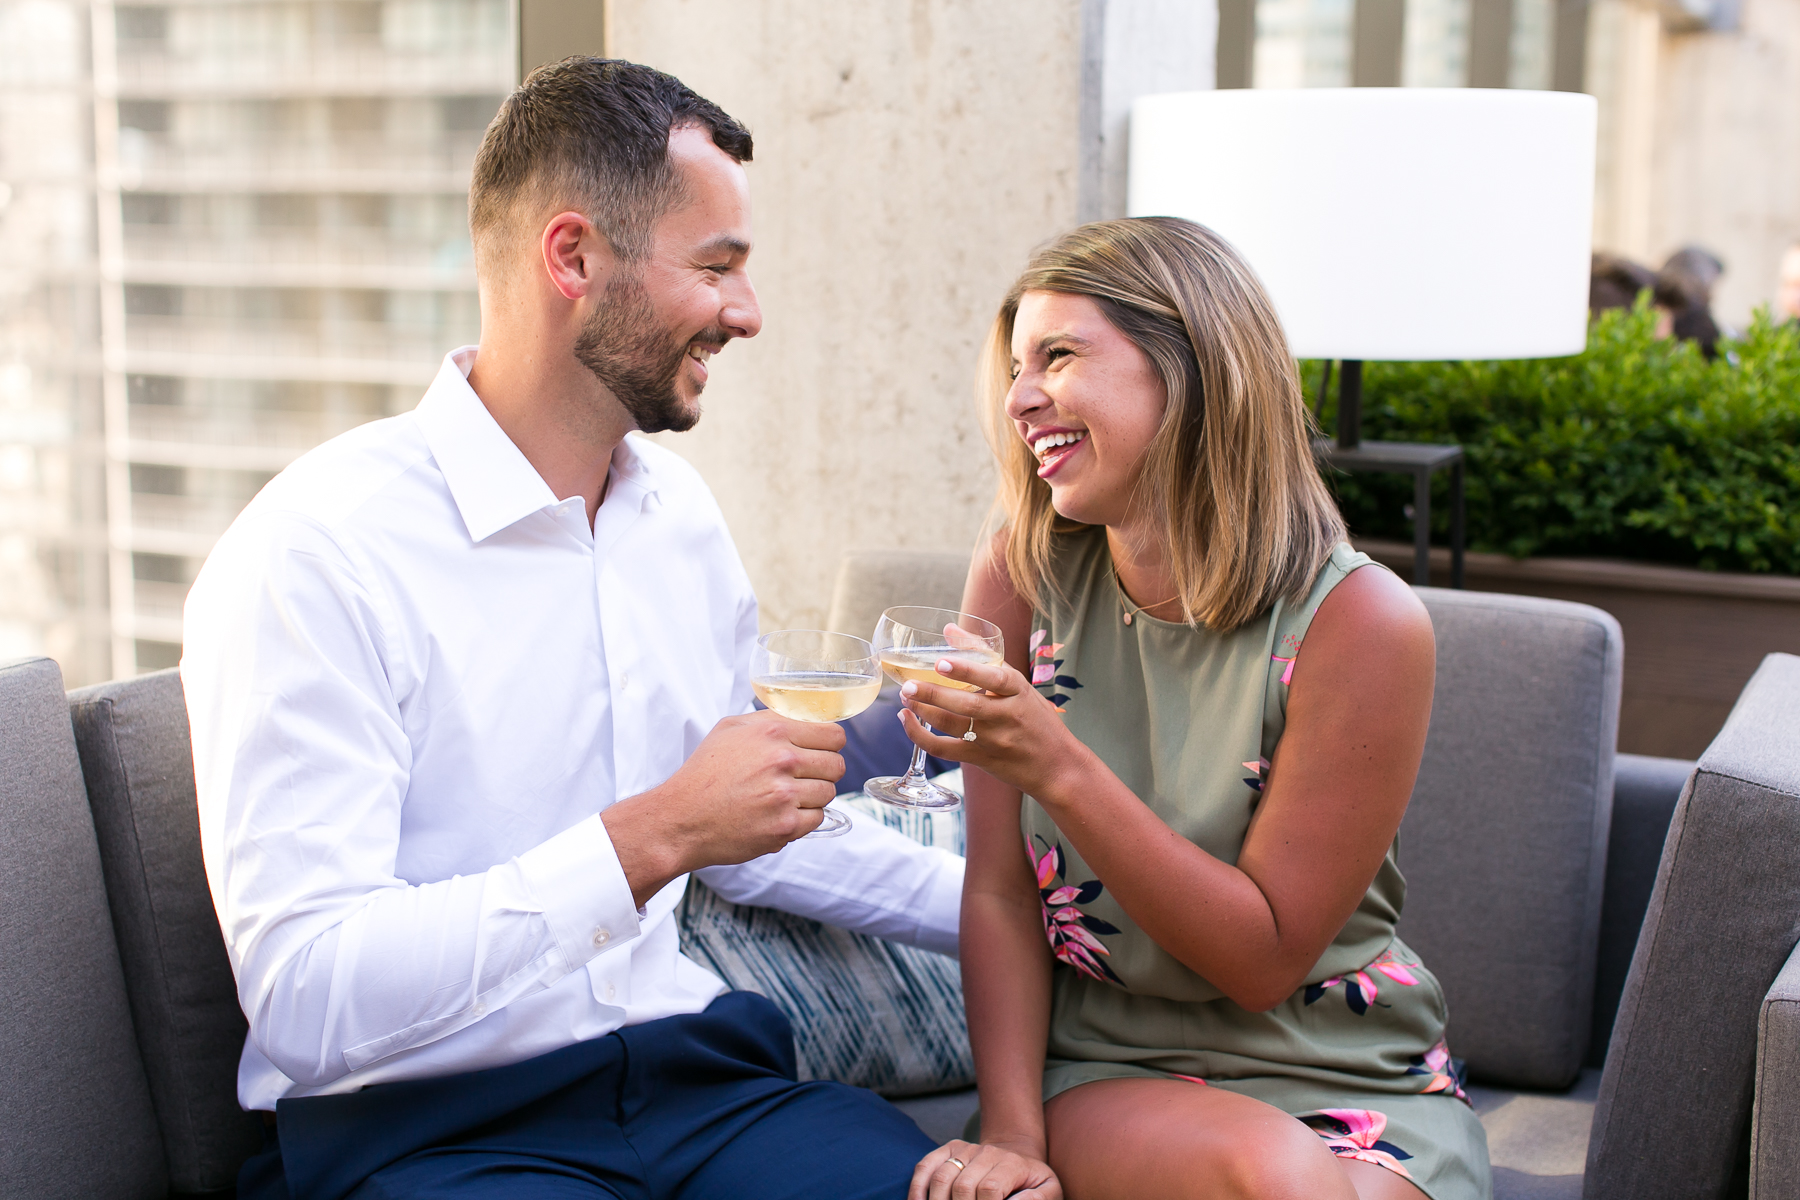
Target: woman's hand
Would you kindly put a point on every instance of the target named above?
(965, 1171)
(1018, 737)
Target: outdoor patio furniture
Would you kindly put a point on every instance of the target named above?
(123, 1032)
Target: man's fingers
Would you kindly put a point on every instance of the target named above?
(815, 735)
(819, 764)
(814, 793)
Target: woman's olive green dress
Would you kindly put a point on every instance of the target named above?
(1189, 720)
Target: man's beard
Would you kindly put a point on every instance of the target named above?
(637, 361)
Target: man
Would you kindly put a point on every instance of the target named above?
(467, 689)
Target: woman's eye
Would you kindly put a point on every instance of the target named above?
(1053, 355)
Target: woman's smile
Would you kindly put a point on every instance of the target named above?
(1056, 447)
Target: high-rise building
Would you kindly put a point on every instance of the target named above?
(257, 239)
(53, 530)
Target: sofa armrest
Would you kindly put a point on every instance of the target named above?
(1775, 1124)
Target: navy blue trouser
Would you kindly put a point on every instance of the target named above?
(687, 1108)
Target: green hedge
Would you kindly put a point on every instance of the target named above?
(1635, 448)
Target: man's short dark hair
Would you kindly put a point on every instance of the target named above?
(593, 133)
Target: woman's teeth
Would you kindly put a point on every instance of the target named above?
(1051, 441)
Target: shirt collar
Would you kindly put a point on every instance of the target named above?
(493, 483)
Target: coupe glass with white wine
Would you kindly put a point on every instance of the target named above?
(910, 642)
(811, 675)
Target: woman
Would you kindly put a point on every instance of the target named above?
(1203, 739)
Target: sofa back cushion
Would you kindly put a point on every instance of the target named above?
(869, 581)
(78, 1118)
(1504, 844)
(1724, 916)
(133, 738)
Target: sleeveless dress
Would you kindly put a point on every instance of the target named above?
(1189, 719)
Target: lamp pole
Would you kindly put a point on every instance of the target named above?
(1349, 413)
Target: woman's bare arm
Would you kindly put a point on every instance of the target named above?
(1358, 707)
(1005, 965)
(1005, 958)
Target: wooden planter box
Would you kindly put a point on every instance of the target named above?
(1692, 638)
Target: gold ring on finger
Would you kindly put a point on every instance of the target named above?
(970, 736)
(960, 1164)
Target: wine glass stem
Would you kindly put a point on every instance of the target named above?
(915, 770)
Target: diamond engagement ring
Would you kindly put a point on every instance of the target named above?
(969, 737)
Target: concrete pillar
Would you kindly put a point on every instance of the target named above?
(908, 159)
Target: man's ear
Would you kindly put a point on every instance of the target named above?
(577, 258)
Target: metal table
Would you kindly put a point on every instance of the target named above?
(1420, 460)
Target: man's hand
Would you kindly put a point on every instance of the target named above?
(753, 785)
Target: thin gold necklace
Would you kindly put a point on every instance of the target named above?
(1125, 603)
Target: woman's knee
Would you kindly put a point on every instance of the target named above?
(1281, 1160)
(1125, 1140)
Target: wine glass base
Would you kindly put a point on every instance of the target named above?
(904, 792)
(835, 824)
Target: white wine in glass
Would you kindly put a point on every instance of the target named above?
(811, 675)
(910, 642)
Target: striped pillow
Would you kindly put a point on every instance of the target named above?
(865, 1011)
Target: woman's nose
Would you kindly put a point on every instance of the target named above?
(1024, 400)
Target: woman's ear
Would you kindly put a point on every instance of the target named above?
(577, 258)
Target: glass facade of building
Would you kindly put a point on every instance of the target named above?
(271, 248)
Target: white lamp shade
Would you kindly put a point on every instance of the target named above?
(1389, 223)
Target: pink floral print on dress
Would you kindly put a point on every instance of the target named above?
(1360, 988)
(1044, 665)
(1356, 1133)
(1071, 931)
(1441, 1070)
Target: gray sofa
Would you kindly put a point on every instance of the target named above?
(1533, 855)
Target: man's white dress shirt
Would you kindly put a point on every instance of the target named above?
(415, 678)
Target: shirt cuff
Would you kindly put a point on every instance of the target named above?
(941, 922)
(581, 887)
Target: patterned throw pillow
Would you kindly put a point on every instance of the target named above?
(865, 1011)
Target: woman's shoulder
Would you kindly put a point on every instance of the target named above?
(1358, 600)
(1353, 590)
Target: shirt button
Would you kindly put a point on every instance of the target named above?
(602, 936)
(480, 1009)
(611, 991)
(624, 680)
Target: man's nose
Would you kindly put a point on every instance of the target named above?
(741, 313)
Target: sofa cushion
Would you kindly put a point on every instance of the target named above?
(866, 1012)
(1645, 790)
(133, 738)
(1775, 1121)
(1675, 1098)
(870, 581)
(1504, 844)
(79, 1122)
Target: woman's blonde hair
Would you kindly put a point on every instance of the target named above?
(1230, 471)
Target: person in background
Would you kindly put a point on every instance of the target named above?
(1616, 282)
(1787, 286)
(1684, 291)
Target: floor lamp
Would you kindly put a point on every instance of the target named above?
(1389, 224)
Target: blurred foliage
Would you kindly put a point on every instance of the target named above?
(1636, 448)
